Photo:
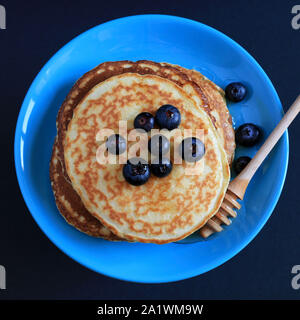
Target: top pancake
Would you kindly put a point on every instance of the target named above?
(162, 210)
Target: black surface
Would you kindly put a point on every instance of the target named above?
(35, 268)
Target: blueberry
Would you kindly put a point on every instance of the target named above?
(116, 144)
(191, 149)
(240, 163)
(144, 120)
(168, 117)
(161, 168)
(247, 135)
(235, 91)
(136, 171)
(158, 145)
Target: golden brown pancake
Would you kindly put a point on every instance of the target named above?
(79, 90)
(86, 83)
(162, 210)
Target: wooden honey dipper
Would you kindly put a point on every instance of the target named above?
(237, 187)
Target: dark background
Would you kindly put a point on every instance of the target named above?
(36, 269)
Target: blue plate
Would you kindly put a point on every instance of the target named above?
(159, 38)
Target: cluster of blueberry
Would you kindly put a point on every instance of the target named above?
(248, 134)
(137, 171)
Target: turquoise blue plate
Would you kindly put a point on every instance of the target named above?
(159, 38)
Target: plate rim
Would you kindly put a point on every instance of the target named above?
(195, 272)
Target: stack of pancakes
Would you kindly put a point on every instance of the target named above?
(95, 198)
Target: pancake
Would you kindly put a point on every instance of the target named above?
(70, 205)
(100, 73)
(81, 88)
(162, 210)
(218, 108)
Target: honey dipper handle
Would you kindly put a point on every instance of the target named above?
(239, 184)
